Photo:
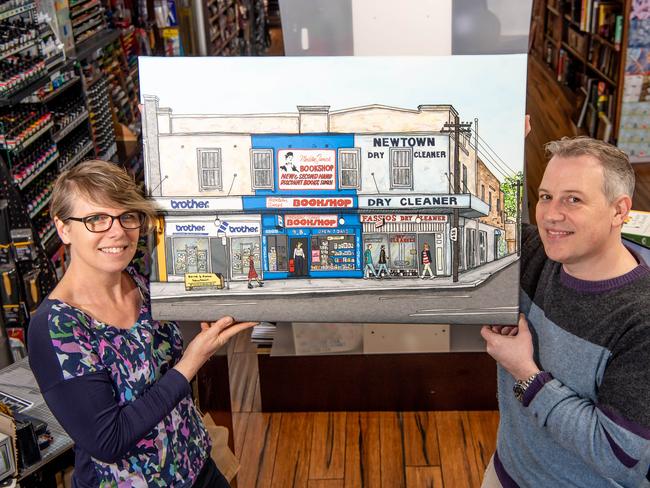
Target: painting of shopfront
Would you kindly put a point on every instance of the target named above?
(205, 244)
(312, 245)
(403, 237)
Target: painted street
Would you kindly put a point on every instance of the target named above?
(478, 297)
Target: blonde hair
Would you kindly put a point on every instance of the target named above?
(100, 182)
(618, 174)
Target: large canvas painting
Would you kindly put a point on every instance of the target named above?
(336, 189)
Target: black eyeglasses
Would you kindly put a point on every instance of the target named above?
(103, 222)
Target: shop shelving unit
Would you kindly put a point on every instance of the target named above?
(583, 45)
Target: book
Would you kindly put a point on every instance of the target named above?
(604, 131)
(592, 120)
(618, 32)
(637, 228)
(585, 104)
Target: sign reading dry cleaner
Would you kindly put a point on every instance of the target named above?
(415, 201)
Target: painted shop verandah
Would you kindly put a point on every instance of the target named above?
(361, 193)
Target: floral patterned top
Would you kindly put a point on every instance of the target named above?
(114, 391)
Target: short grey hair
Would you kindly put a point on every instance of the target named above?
(618, 175)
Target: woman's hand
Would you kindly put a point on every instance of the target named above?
(211, 338)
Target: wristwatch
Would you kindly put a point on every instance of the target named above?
(521, 386)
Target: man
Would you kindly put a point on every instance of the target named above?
(574, 376)
(368, 266)
(288, 163)
(382, 268)
(426, 261)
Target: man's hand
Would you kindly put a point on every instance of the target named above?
(512, 350)
(507, 330)
(527, 126)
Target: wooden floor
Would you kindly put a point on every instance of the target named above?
(352, 449)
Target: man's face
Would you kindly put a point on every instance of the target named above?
(289, 158)
(574, 217)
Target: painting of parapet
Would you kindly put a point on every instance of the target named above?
(335, 189)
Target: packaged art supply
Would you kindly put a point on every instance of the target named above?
(9, 294)
(17, 342)
(32, 290)
(5, 239)
(23, 242)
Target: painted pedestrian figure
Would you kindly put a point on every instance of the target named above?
(252, 273)
(382, 268)
(299, 262)
(426, 261)
(368, 266)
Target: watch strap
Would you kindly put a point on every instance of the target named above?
(535, 386)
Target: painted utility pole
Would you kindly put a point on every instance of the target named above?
(457, 127)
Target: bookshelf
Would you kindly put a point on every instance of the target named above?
(582, 43)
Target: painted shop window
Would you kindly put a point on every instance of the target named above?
(332, 253)
(210, 174)
(349, 164)
(241, 249)
(191, 255)
(403, 251)
(482, 239)
(277, 252)
(470, 248)
(261, 165)
(401, 167)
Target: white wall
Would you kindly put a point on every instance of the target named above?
(430, 162)
(386, 27)
(179, 161)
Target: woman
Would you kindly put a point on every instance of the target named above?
(115, 379)
(252, 274)
(299, 260)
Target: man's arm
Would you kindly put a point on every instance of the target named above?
(614, 442)
(613, 445)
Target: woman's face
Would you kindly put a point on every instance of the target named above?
(105, 252)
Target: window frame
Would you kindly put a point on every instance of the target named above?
(265, 151)
(409, 151)
(356, 151)
(219, 169)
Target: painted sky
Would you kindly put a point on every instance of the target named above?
(490, 88)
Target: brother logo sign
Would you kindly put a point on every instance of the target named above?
(243, 229)
(190, 228)
(190, 203)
